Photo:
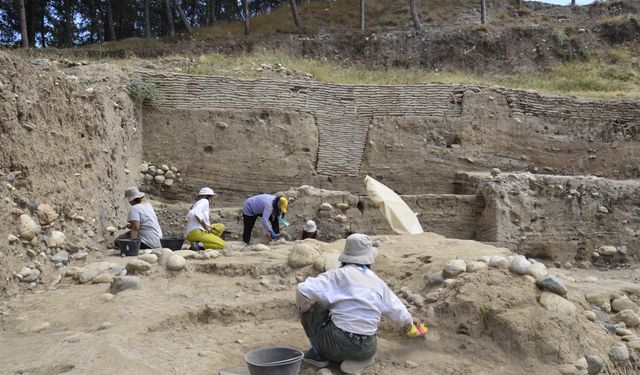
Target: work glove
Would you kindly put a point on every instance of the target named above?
(274, 235)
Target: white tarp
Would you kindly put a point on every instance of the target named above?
(400, 217)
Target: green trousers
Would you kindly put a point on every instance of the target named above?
(333, 343)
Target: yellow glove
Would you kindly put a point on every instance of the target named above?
(417, 330)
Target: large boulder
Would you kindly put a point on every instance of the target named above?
(137, 265)
(624, 303)
(552, 283)
(538, 270)
(520, 265)
(555, 303)
(163, 255)
(56, 239)
(302, 255)
(28, 228)
(498, 261)
(628, 317)
(454, 267)
(149, 258)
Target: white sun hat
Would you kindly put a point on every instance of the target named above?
(206, 191)
(132, 193)
(310, 226)
(358, 250)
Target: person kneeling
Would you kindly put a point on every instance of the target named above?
(341, 309)
(199, 228)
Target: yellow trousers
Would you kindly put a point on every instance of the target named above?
(211, 239)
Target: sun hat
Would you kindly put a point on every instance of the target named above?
(283, 203)
(132, 193)
(206, 191)
(358, 250)
(309, 226)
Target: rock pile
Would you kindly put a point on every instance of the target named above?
(163, 174)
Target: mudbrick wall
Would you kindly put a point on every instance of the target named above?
(414, 137)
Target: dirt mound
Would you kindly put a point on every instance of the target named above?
(65, 143)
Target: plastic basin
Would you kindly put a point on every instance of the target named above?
(129, 247)
(173, 243)
(274, 361)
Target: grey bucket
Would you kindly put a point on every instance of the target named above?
(129, 247)
(274, 361)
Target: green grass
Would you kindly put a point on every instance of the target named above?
(612, 76)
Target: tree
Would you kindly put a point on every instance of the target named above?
(362, 16)
(483, 11)
(296, 16)
(573, 3)
(183, 16)
(110, 27)
(69, 15)
(414, 15)
(172, 27)
(147, 20)
(245, 13)
(23, 24)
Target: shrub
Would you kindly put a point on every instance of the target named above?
(620, 29)
(144, 93)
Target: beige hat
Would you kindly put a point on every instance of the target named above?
(132, 193)
(310, 226)
(358, 250)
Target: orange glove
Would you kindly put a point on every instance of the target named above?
(417, 330)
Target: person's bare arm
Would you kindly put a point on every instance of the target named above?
(135, 229)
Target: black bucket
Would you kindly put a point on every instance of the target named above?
(274, 361)
(129, 248)
(173, 243)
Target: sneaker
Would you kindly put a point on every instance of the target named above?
(315, 359)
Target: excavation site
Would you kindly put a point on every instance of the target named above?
(523, 258)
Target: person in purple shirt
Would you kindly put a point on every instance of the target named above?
(270, 207)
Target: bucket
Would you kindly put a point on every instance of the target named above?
(173, 243)
(274, 361)
(129, 247)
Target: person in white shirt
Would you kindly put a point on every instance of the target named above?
(341, 308)
(199, 228)
(143, 222)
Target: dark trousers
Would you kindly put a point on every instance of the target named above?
(250, 221)
(332, 342)
(126, 236)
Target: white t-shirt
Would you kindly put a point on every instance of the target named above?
(200, 210)
(150, 232)
(357, 298)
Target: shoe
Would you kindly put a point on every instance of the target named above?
(315, 359)
(355, 367)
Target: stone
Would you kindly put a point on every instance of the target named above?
(601, 315)
(11, 238)
(173, 169)
(603, 209)
(590, 315)
(495, 171)
(159, 179)
(568, 265)
(454, 267)
(44, 64)
(163, 255)
(567, 369)
(176, 263)
(56, 240)
(324, 371)
(476, 266)
(121, 283)
(538, 270)
(607, 251)
(164, 167)
(144, 167)
(78, 337)
(342, 206)
(555, 303)
(212, 254)
(107, 297)
(520, 265)
(595, 364)
(170, 175)
(581, 364)
(46, 214)
(435, 279)
(28, 228)
(327, 261)
(340, 218)
(619, 353)
(410, 364)
(149, 258)
(552, 283)
(104, 325)
(624, 332)
(186, 254)
(302, 255)
(628, 317)
(30, 276)
(103, 278)
(137, 265)
(590, 279)
(259, 247)
(624, 303)
(326, 207)
(60, 257)
(450, 283)
(498, 261)
(80, 255)
(168, 182)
